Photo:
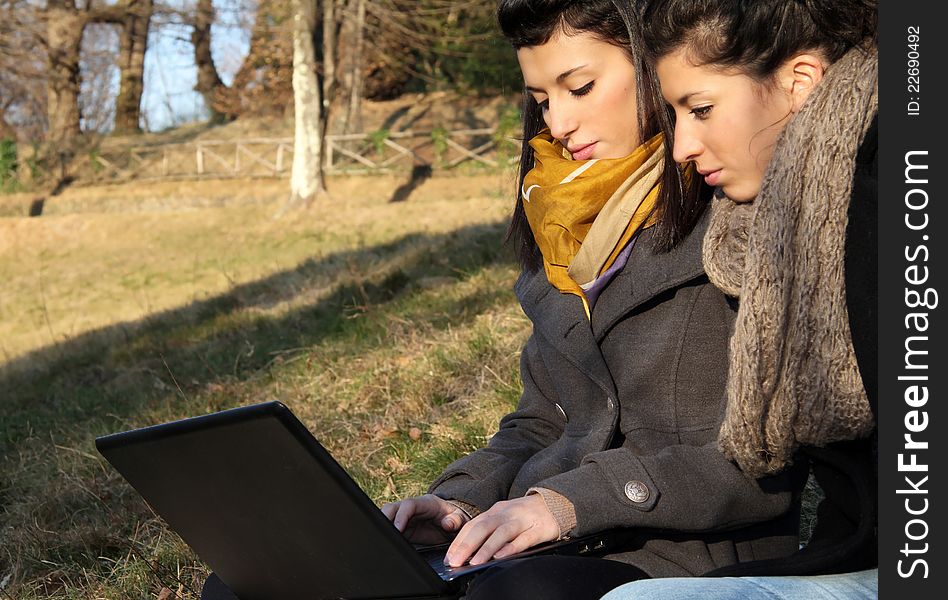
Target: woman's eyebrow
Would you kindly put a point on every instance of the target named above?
(559, 78)
(565, 74)
(684, 99)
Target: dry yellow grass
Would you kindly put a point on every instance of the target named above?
(105, 255)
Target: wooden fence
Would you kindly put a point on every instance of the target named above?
(273, 157)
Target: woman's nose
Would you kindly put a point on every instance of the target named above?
(560, 120)
(687, 145)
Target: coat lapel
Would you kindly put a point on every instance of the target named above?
(561, 320)
(648, 274)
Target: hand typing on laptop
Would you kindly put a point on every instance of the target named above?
(426, 519)
(507, 528)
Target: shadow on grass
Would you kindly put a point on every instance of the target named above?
(97, 382)
(419, 175)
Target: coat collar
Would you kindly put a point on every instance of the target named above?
(649, 274)
(560, 318)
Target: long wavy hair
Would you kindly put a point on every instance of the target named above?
(528, 23)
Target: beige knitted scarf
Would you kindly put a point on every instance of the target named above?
(793, 377)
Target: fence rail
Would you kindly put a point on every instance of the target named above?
(273, 157)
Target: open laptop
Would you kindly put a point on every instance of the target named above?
(274, 515)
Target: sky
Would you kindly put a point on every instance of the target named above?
(170, 73)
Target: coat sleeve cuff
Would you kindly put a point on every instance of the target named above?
(603, 497)
(463, 487)
(469, 510)
(561, 508)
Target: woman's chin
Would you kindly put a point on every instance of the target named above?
(740, 193)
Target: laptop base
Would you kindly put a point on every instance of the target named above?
(214, 589)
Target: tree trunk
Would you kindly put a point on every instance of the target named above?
(328, 58)
(330, 36)
(133, 41)
(64, 27)
(208, 80)
(353, 120)
(306, 182)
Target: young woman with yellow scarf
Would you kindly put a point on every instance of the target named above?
(624, 375)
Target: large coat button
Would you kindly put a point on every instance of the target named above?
(636, 491)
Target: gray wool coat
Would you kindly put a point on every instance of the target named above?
(620, 415)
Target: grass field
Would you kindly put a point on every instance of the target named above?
(390, 329)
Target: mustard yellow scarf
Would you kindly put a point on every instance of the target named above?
(584, 212)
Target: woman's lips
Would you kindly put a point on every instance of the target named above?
(712, 178)
(583, 152)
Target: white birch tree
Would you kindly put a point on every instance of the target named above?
(306, 182)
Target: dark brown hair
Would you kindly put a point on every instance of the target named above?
(534, 22)
(757, 36)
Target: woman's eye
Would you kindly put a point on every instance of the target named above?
(701, 112)
(583, 90)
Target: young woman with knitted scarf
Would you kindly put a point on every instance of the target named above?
(776, 104)
(624, 375)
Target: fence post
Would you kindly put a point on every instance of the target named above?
(279, 163)
(200, 159)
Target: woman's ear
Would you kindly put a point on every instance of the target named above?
(800, 75)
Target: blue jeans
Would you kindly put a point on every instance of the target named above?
(846, 586)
